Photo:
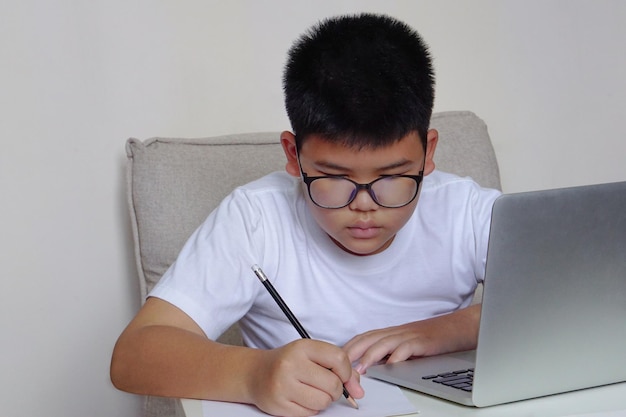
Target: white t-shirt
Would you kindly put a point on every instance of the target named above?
(431, 268)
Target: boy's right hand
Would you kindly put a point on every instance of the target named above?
(302, 378)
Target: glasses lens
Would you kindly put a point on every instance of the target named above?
(331, 192)
(394, 191)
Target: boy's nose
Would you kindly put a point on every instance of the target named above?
(363, 201)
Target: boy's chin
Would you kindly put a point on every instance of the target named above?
(363, 248)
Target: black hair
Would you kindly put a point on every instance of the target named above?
(363, 80)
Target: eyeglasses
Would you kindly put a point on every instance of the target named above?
(336, 191)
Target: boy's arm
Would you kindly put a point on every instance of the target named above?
(164, 352)
(452, 332)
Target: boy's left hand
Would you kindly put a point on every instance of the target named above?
(449, 333)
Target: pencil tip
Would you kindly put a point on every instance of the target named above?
(352, 402)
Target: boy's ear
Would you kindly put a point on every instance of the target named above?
(432, 137)
(288, 142)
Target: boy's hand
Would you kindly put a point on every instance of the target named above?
(449, 333)
(302, 378)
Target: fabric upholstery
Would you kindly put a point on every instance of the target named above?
(173, 184)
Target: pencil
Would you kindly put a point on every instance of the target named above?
(294, 321)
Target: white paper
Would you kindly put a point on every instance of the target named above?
(381, 400)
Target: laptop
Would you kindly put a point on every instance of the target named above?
(554, 304)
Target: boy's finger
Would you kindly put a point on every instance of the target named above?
(353, 385)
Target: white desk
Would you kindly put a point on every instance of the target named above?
(603, 401)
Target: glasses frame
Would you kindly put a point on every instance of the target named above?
(358, 187)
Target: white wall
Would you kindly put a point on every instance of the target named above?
(79, 77)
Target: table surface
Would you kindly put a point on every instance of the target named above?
(601, 401)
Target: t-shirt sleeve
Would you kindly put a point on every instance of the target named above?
(483, 203)
(211, 280)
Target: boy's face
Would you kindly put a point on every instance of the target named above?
(362, 227)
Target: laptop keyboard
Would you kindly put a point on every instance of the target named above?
(461, 379)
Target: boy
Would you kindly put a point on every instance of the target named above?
(371, 274)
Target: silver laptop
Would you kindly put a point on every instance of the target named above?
(554, 305)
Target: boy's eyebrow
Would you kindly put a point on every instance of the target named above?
(334, 166)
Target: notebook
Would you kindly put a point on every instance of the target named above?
(554, 304)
